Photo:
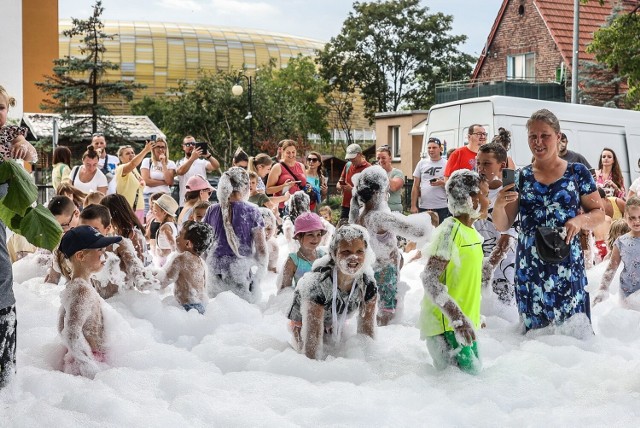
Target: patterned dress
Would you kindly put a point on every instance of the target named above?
(549, 293)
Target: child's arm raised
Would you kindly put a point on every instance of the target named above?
(287, 274)
(414, 227)
(312, 326)
(607, 277)
(437, 291)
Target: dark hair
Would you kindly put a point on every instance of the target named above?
(123, 218)
(496, 149)
(199, 234)
(472, 128)
(434, 140)
(240, 156)
(201, 204)
(62, 154)
(503, 137)
(616, 173)
(91, 153)
(61, 205)
(545, 116)
(94, 211)
(191, 195)
(601, 192)
(320, 166)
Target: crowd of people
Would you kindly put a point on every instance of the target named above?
(528, 241)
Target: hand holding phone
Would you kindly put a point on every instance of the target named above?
(203, 147)
(508, 177)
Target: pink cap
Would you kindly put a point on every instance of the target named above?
(308, 222)
(198, 182)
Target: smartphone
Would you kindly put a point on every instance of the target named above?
(153, 137)
(203, 147)
(593, 172)
(433, 180)
(508, 177)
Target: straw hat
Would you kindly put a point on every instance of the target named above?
(168, 204)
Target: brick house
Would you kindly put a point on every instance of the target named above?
(532, 41)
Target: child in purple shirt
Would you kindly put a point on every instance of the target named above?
(238, 257)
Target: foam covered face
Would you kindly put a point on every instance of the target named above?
(350, 256)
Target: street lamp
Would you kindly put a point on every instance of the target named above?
(237, 90)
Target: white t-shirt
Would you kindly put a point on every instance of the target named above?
(98, 180)
(155, 172)
(634, 186)
(431, 197)
(111, 160)
(199, 166)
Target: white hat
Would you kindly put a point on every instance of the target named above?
(352, 151)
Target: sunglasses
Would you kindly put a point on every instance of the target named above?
(313, 160)
(189, 144)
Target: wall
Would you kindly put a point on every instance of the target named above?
(410, 146)
(11, 54)
(40, 47)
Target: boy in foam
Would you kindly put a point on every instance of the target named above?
(369, 209)
(452, 277)
(238, 257)
(120, 259)
(187, 269)
(81, 320)
(340, 284)
(296, 205)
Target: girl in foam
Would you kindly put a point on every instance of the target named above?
(369, 209)
(81, 323)
(296, 205)
(339, 285)
(308, 232)
(238, 257)
(453, 276)
(164, 210)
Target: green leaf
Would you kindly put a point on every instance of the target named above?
(40, 228)
(21, 192)
(6, 214)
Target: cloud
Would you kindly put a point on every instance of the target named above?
(181, 4)
(246, 8)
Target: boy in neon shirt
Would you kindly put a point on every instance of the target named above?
(453, 276)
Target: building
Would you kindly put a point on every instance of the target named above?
(402, 131)
(528, 52)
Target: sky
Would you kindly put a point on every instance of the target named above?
(316, 19)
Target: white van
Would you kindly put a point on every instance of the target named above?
(589, 129)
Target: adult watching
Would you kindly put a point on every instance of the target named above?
(106, 163)
(129, 182)
(157, 172)
(465, 157)
(395, 176)
(356, 163)
(316, 178)
(549, 192)
(195, 162)
(261, 165)
(427, 193)
(286, 176)
(61, 166)
(568, 155)
(609, 174)
(87, 177)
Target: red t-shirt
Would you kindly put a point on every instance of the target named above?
(347, 175)
(298, 170)
(461, 158)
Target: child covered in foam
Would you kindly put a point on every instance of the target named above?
(238, 257)
(369, 209)
(186, 269)
(81, 325)
(270, 229)
(340, 285)
(296, 205)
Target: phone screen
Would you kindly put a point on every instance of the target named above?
(508, 176)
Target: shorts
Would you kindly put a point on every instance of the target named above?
(445, 350)
(387, 282)
(197, 306)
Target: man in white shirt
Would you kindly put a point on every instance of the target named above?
(194, 162)
(106, 163)
(427, 193)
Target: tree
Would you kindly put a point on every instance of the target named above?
(393, 52)
(79, 86)
(617, 45)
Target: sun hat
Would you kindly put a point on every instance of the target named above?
(84, 238)
(168, 204)
(198, 182)
(308, 222)
(353, 150)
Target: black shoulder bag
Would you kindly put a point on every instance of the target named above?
(308, 188)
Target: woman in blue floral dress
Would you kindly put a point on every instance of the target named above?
(551, 192)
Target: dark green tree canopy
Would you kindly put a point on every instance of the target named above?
(78, 85)
(393, 52)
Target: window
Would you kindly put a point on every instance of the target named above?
(521, 67)
(395, 142)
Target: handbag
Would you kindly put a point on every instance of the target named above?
(308, 188)
(551, 245)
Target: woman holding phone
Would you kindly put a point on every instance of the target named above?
(129, 182)
(157, 172)
(286, 176)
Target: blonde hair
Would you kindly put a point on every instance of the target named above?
(64, 263)
(616, 230)
(93, 197)
(10, 100)
(257, 160)
(153, 152)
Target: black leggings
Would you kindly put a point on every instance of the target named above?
(8, 327)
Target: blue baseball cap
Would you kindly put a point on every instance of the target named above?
(84, 238)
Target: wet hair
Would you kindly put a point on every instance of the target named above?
(93, 197)
(616, 173)
(504, 138)
(62, 154)
(616, 230)
(100, 212)
(123, 218)
(371, 182)
(269, 221)
(348, 232)
(496, 149)
(240, 156)
(61, 205)
(545, 116)
(199, 234)
(78, 195)
(461, 186)
(90, 153)
(472, 128)
(234, 180)
(298, 203)
(260, 159)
